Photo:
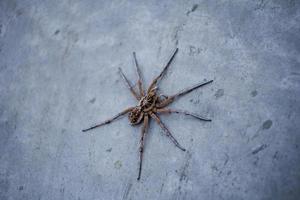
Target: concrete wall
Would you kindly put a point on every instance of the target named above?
(59, 64)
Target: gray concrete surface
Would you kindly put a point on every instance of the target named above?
(59, 74)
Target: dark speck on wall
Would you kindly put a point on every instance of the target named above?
(276, 156)
(197, 101)
(254, 93)
(56, 32)
(267, 124)
(118, 164)
(21, 187)
(20, 12)
(92, 100)
(195, 6)
(258, 149)
(219, 93)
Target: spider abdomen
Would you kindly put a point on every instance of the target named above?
(135, 116)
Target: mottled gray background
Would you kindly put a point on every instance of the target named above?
(59, 74)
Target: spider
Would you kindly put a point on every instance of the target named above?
(150, 104)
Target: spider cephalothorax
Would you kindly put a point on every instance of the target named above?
(147, 102)
(146, 105)
(150, 105)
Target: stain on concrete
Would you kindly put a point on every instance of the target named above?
(254, 93)
(195, 101)
(180, 192)
(261, 5)
(193, 9)
(183, 173)
(226, 159)
(20, 12)
(267, 124)
(4, 185)
(256, 160)
(177, 30)
(8, 126)
(57, 32)
(193, 51)
(108, 150)
(92, 100)
(214, 167)
(118, 164)
(161, 188)
(260, 148)
(127, 190)
(219, 93)
(276, 156)
(1, 29)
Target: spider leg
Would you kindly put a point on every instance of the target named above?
(138, 71)
(128, 84)
(169, 111)
(168, 133)
(142, 142)
(181, 93)
(154, 82)
(109, 120)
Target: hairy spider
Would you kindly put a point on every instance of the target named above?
(150, 104)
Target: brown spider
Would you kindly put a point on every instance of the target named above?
(149, 105)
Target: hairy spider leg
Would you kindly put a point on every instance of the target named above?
(138, 71)
(128, 84)
(170, 99)
(154, 82)
(142, 143)
(166, 130)
(109, 120)
(169, 111)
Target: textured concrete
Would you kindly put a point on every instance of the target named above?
(59, 74)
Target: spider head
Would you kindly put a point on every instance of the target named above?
(135, 116)
(148, 102)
